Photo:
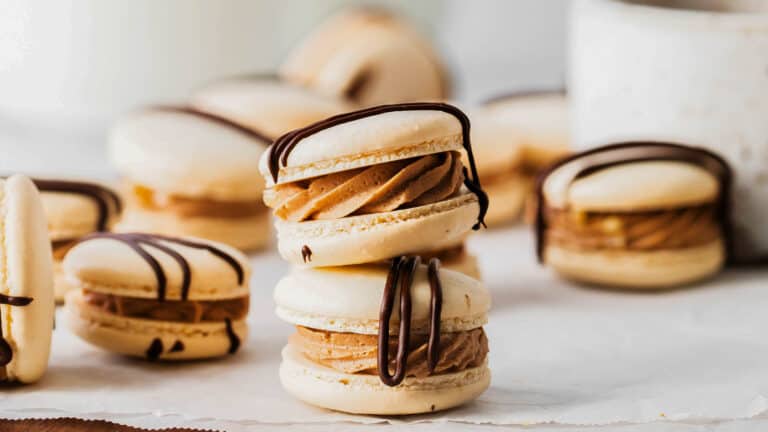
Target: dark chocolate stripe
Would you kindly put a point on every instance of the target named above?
(6, 352)
(155, 349)
(654, 151)
(234, 339)
(283, 146)
(138, 242)
(222, 121)
(402, 271)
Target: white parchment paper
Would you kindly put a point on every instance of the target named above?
(559, 353)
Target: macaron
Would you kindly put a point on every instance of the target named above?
(158, 297)
(26, 283)
(191, 173)
(643, 215)
(352, 352)
(270, 106)
(73, 210)
(373, 184)
(515, 137)
(370, 57)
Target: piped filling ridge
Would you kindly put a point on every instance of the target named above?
(375, 189)
(637, 231)
(188, 207)
(357, 353)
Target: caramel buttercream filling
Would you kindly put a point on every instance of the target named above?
(194, 207)
(375, 189)
(356, 353)
(639, 231)
(189, 311)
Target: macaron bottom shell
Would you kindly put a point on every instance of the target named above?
(366, 394)
(245, 233)
(661, 269)
(139, 337)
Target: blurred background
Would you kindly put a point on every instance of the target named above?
(69, 67)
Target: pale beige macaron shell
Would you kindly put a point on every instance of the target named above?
(631, 187)
(244, 233)
(365, 394)
(348, 299)
(266, 105)
(378, 236)
(71, 215)
(133, 337)
(187, 155)
(27, 271)
(366, 44)
(369, 141)
(638, 270)
(112, 267)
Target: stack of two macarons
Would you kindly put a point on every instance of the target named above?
(364, 203)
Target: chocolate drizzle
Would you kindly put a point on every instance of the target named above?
(358, 84)
(6, 352)
(222, 121)
(139, 241)
(642, 151)
(234, 339)
(283, 146)
(155, 349)
(102, 196)
(306, 254)
(402, 271)
(178, 346)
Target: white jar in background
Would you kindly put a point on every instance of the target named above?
(692, 71)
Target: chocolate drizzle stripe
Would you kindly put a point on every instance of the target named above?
(402, 271)
(138, 242)
(222, 121)
(283, 146)
(6, 352)
(155, 349)
(306, 254)
(654, 151)
(234, 339)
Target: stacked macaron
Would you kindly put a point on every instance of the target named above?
(359, 199)
(516, 136)
(75, 209)
(26, 283)
(635, 215)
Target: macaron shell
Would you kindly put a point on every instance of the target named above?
(348, 299)
(269, 106)
(133, 337)
(496, 146)
(379, 236)
(27, 271)
(69, 215)
(638, 270)
(365, 394)
(113, 267)
(245, 233)
(631, 187)
(187, 155)
(506, 199)
(61, 285)
(369, 141)
(466, 264)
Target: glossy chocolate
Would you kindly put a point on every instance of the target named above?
(6, 352)
(103, 197)
(155, 349)
(138, 242)
(234, 339)
(283, 146)
(222, 121)
(306, 254)
(651, 151)
(402, 271)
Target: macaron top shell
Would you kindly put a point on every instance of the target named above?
(636, 186)
(185, 154)
(72, 215)
(497, 146)
(348, 299)
(111, 266)
(270, 106)
(26, 270)
(368, 141)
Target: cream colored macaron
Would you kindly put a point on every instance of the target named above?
(270, 106)
(642, 215)
(191, 173)
(158, 297)
(515, 137)
(369, 57)
(26, 283)
(341, 314)
(73, 210)
(373, 184)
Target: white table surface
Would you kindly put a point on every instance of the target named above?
(542, 331)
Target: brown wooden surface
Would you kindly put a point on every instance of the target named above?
(74, 425)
